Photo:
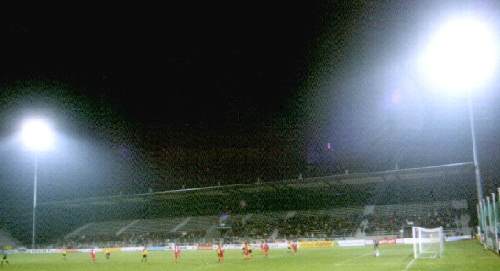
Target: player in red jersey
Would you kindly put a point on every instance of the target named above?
(247, 251)
(92, 254)
(294, 247)
(177, 253)
(220, 253)
(265, 248)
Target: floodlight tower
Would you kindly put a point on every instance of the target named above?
(37, 136)
(460, 59)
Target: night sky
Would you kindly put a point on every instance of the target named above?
(165, 97)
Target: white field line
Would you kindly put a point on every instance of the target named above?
(409, 264)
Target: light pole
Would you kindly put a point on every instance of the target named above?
(35, 184)
(477, 171)
(37, 137)
(460, 59)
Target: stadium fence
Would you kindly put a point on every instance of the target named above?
(489, 215)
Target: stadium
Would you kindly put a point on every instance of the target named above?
(291, 209)
(338, 227)
(317, 135)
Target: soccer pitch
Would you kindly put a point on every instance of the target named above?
(464, 255)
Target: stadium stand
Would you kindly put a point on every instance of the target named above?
(330, 223)
(151, 225)
(339, 206)
(6, 240)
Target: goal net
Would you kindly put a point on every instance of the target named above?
(428, 243)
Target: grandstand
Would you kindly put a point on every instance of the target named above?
(330, 223)
(6, 240)
(339, 206)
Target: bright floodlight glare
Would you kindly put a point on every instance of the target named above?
(37, 135)
(461, 56)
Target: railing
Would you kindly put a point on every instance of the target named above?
(488, 212)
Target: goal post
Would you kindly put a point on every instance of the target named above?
(427, 243)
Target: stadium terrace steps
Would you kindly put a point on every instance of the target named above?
(154, 225)
(78, 230)
(180, 225)
(199, 223)
(344, 221)
(290, 214)
(124, 228)
(100, 228)
(414, 209)
(275, 234)
(212, 232)
(449, 214)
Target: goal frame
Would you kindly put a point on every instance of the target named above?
(418, 241)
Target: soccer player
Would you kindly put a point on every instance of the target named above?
(4, 258)
(107, 252)
(220, 253)
(375, 248)
(293, 246)
(247, 251)
(177, 253)
(144, 255)
(92, 254)
(64, 253)
(265, 248)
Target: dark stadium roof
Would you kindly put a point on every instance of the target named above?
(348, 178)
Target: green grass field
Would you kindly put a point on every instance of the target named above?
(464, 255)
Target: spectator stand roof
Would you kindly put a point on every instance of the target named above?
(398, 175)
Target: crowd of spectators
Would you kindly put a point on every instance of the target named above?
(380, 220)
(395, 222)
(142, 239)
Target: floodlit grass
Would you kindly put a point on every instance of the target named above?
(465, 255)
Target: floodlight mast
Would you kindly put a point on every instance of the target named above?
(37, 137)
(461, 57)
(35, 184)
(477, 171)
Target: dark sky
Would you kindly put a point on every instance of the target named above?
(166, 96)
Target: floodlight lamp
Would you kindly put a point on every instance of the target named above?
(37, 135)
(461, 56)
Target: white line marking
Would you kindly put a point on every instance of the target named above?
(409, 264)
